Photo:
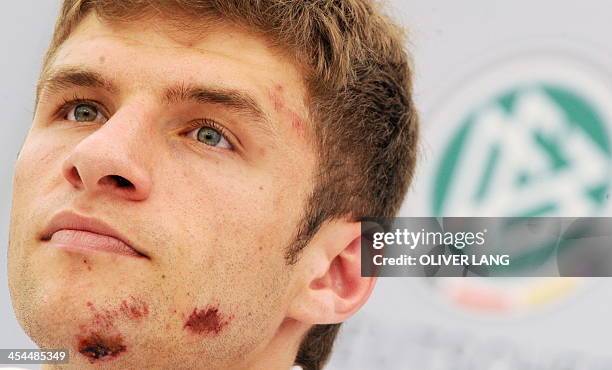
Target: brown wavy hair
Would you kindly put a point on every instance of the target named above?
(364, 125)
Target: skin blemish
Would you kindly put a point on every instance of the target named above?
(99, 347)
(207, 321)
(276, 98)
(102, 59)
(101, 319)
(133, 308)
(99, 339)
(297, 123)
(85, 262)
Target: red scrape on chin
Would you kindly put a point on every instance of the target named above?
(134, 308)
(99, 339)
(131, 308)
(97, 347)
(207, 321)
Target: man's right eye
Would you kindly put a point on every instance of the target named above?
(85, 112)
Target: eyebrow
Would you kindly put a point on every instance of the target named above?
(233, 99)
(57, 80)
(236, 100)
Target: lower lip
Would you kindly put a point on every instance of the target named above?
(85, 241)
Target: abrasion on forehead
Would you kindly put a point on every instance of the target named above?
(290, 116)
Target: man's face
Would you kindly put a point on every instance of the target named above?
(194, 151)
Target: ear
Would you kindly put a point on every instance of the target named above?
(329, 285)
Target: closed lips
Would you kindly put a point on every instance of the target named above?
(71, 231)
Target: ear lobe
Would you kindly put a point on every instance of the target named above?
(334, 288)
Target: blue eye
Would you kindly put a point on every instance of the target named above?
(210, 135)
(85, 112)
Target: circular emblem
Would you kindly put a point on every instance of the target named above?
(527, 136)
(532, 139)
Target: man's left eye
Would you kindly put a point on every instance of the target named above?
(85, 112)
(210, 136)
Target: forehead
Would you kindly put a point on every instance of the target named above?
(153, 55)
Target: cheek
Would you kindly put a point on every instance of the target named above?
(39, 160)
(231, 229)
(227, 274)
(37, 171)
(234, 312)
(37, 168)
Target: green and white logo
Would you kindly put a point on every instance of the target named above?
(532, 138)
(528, 136)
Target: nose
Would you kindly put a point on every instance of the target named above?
(111, 160)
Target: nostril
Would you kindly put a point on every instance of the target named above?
(116, 180)
(122, 182)
(73, 175)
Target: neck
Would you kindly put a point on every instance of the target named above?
(280, 352)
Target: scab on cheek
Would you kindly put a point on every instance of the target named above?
(208, 321)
